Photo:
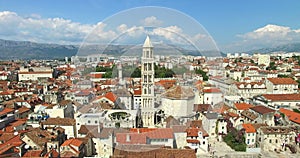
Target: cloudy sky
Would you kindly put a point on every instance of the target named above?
(226, 25)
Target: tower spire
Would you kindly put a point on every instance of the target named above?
(147, 43)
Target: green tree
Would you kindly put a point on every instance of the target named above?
(136, 73)
(272, 66)
(204, 74)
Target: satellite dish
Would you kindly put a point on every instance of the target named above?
(16, 133)
(27, 146)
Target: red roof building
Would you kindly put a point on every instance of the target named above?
(249, 128)
(291, 115)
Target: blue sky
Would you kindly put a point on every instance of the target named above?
(234, 25)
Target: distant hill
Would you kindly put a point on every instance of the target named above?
(10, 50)
(294, 47)
(30, 50)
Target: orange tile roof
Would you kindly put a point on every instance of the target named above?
(6, 136)
(96, 75)
(16, 123)
(179, 92)
(52, 152)
(282, 97)
(292, 116)
(212, 90)
(33, 153)
(73, 141)
(242, 106)
(8, 92)
(5, 147)
(60, 121)
(134, 138)
(37, 72)
(166, 83)
(262, 109)
(111, 96)
(282, 81)
(6, 111)
(249, 128)
(142, 130)
(193, 132)
(137, 92)
(23, 109)
(160, 133)
(194, 141)
(144, 133)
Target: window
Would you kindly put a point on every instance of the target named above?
(96, 121)
(89, 121)
(270, 141)
(252, 140)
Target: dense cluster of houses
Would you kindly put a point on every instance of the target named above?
(57, 108)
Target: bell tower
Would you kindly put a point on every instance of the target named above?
(147, 77)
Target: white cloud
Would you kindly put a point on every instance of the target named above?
(267, 36)
(151, 21)
(171, 33)
(50, 30)
(269, 31)
(63, 31)
(122, 28)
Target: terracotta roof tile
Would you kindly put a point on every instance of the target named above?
(202, 107)
(193, 132)
(212, 90)
(139, 136)
(194, 141)
(249, 128)
(6, 136)
(23, 109)
(60, 121)
(131, 138)
(250, 115)
(292, 116)
(111, 96)
(73, 141)
(137, 92)
(242, 106)
(282, 81)
(6, 111)
(262, 109)
(33, 153)
(178, 92)
(282, 97)
(151, 151)
(53, 153)
(68, 154)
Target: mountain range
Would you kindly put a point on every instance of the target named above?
(11, 50)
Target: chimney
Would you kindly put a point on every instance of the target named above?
(127, 137)
(99, 128)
